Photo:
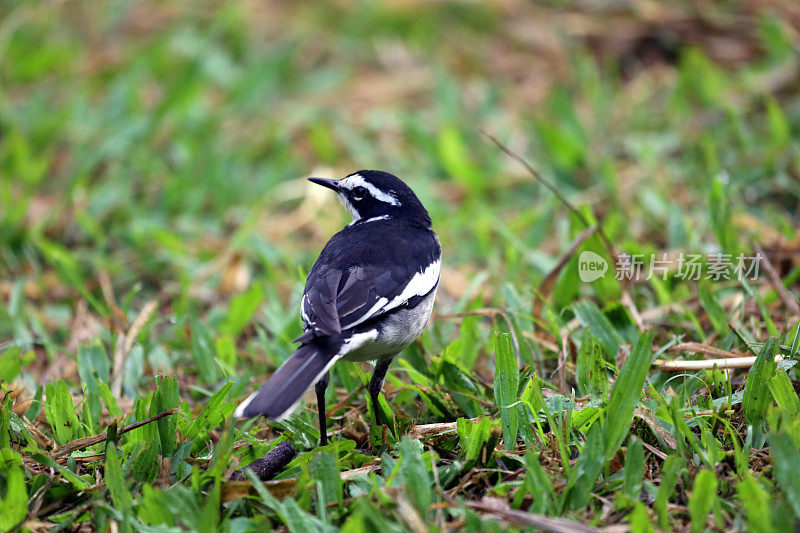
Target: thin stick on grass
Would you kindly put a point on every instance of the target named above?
(562, 366)
(776, 282)
(549, 281)
(470, 396)
(625, 297)
(552, 188)
(426, 430)
(655, 451)
(708, 364)
(125, 343)
(85, 442)
(342, 403)
(629, 304)
(500, 509)
(696, 347)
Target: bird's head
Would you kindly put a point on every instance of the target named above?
(373, 194)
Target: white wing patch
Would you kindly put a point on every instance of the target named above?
(377, 308)
(421, 284)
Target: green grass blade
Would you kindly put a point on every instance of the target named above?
(756, 504)
(415, 475)
(604, 439)
(14, 503)
(782, 390)
(626, 393)
(166, 397)
(757, 397)
(634, 468)
(115, 481)
(786, 461)
(506, 381)
(714, 310)
(704, 494)
(60, 412)
(673, 466)
(473, 436)
(242, 308)
(209, 514)
(326, 469)
(590, 317)
(539, 485)
(42, 458)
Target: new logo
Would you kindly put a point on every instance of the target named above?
(591, 266)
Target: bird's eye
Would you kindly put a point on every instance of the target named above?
(359, 193)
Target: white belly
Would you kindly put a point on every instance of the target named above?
(399, 330)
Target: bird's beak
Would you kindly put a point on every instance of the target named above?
(325, 182)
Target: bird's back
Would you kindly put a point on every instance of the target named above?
(364, 271)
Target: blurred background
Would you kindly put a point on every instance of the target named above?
(156, 151)
(155, 219)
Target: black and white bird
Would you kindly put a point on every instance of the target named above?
(368, 296)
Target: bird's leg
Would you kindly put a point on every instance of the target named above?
(375, 385)
(320, 387)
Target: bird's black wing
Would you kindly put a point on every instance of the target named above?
(367, 270)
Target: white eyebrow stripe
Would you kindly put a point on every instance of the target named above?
(356, 180)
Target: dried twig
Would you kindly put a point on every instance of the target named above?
(649, 315)
(626, 299)
(138, 324)
(562, 366)
(408, 513)
(541, 179)
(41, 439)
(553, 189)
(125, 343)
(645, 414)
(425, 430)
(353, 473)
(707, 412)
(239, 488)
(696, 347)
(545, 343)
(118, 317)
(630, 305)
(708, 364)
(655, 451)
(342, 403)
(777, 284)
(500, 509)
(85, 442)
(546, 286)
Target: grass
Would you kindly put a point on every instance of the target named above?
(155, 233)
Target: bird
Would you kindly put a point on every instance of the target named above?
(368, 296)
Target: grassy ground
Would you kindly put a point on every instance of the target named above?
(156, 229)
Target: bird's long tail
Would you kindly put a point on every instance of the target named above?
(277, 398)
